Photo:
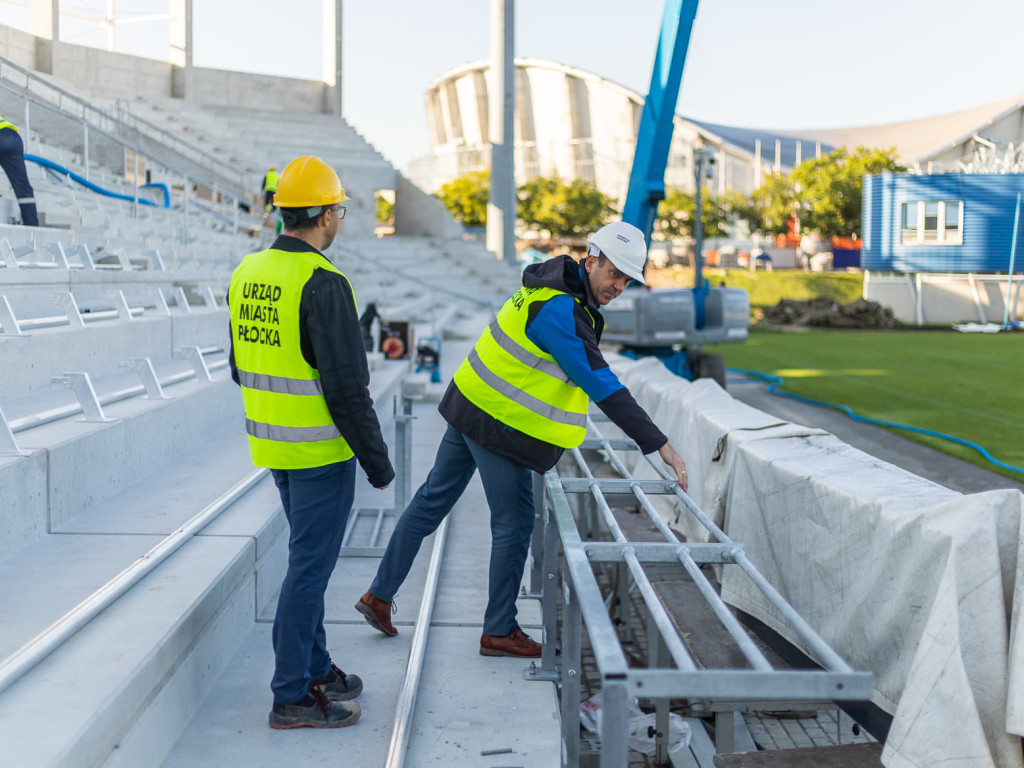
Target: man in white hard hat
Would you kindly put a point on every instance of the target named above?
(516, 403)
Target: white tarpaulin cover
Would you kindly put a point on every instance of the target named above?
(914, 582)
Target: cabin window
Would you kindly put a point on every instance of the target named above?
(932, 222)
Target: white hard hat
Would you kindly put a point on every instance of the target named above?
(624, 245)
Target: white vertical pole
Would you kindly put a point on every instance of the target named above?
(757, 163)
(1013, 254)
(501, 206)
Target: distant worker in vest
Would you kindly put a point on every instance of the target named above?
(297, 353)
(514, 405)
(12, 160)
(270, 181)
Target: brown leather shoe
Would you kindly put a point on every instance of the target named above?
(518, 643)
(377, 614)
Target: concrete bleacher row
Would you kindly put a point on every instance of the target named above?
(119, 427)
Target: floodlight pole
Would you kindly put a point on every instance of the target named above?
(501, 97)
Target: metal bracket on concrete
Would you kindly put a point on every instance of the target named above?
(86, 256)
(7, 319)
(67, 300)
(10, 260)
(211, 298)
(8, 445)
(195, 357)
(59, 256)
(144, 367)
(124, 312)
(161, 304)
(122, 258)
(158, 262)
(537, 674)
(183, 301)
(81, 385)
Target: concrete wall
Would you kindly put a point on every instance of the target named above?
(419, 214)
(94, 70)
(18, 47)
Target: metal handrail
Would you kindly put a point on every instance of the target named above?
(584, 606)
(51, 638)
(143, 127)
(135, 148)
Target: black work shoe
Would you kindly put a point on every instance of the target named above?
(338, 686)
(314, 710)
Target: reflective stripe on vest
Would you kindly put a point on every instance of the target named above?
(287, 419)
(290, 434)
(524, 398)
(513, 380)
(281, 384)
(526, 357)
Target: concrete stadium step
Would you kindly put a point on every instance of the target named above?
(466, 703)
(158, 642)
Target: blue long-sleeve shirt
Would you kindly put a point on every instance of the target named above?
(568, 327)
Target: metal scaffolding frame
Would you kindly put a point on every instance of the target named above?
(672, 672)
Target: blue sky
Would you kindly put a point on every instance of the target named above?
(763, 63)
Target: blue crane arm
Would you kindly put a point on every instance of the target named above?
(647, 179)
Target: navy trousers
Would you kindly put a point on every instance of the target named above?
(509, 490)
(317, 503)
(12, 160)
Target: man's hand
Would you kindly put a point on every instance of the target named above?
(669, 456)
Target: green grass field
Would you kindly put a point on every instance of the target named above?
(766, 288)
(966, 385)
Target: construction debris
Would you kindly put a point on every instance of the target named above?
(823, 312)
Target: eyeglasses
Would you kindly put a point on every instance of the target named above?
(340, 210)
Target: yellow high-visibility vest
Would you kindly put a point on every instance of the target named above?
(286, 417)
(512, 379)
(270, 181)
(5, 124)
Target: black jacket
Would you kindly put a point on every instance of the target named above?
(332, 342)
(562, 274)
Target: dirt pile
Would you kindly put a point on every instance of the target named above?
(826, 313)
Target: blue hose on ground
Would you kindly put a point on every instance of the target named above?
(99, 190)
(776, 382)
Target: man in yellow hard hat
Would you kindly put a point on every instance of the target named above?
(270, 181)
(514, 405)
(12, 160)
(297, 352)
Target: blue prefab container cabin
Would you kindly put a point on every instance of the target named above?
(939, 223)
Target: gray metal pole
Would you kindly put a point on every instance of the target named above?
(501, 207)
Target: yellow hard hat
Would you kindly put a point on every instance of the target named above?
(308, 182)
(272, 168)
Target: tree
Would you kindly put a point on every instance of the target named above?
(573, 210)
(772, 204)
(466, 198)
(676, 213)
(828, 189)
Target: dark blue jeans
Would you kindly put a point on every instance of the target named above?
(12, 160)
(509, 490)
(317, 503)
